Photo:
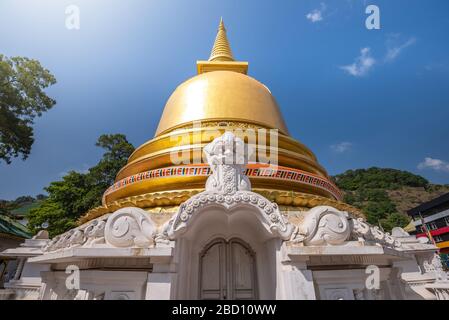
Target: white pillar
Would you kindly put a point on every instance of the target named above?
(160, 283)
(296, 283)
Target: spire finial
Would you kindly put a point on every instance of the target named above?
(221, 50)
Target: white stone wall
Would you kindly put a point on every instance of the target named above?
(126, 255)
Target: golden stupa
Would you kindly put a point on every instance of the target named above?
(220, 97)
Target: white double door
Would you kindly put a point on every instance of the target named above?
(227, 271)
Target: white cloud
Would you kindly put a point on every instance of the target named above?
(437, 66)
(393, 51)
(316, 14)
(341, 147)
(361, 65)
(434, 164)
(365, 61)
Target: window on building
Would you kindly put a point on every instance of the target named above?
(432, 226)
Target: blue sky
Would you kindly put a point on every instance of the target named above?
(356, 97)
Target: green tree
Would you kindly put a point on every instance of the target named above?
(6, 207)
(377, 210)
(41, 197)
(24, 200)
(22, 98)
(395, 220)
(52, 213)
(118, 149)
(77, 193)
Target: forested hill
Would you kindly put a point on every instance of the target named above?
(384, 195)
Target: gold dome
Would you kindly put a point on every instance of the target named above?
(220, 98)
(221, 95)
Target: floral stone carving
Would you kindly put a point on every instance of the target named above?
(227, 157)
(229, 187)
(325, 225)
(130, 227)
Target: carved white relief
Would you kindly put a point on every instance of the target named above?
(130, 227)
(77, 238)
(397, 239)
(227, 157)
(62, 241)
(375, 234)
(87, 235)
(269, 211)
(433, 264)
(228, 187)
(95, 232)
(162, 234)
(360, 228)
(298, 234)
(389, 239)
(378, 234)
(127, 227)
(325, 225)
(51, 245)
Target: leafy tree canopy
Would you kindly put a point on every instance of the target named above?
(22, 98)
(77, 193)
(378, 178)
(41, 196)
